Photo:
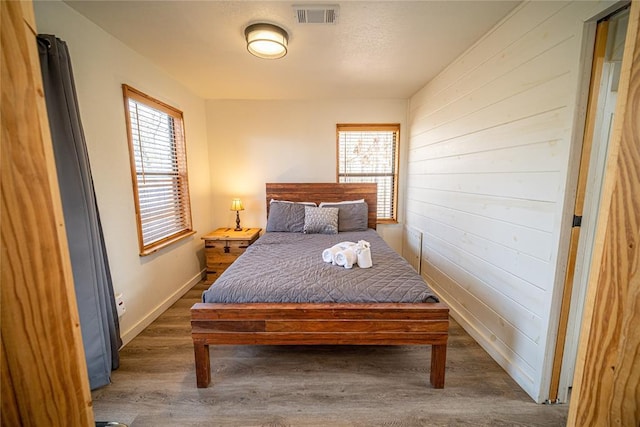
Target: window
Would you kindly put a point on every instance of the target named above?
(158, 170)
(369, 153)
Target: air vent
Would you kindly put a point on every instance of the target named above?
(317, 14)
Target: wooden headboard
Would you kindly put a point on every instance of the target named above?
(326, 192)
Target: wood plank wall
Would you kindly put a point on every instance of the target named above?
(44, 375)
(489, 153)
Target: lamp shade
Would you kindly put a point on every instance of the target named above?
(266, 41)
(236, 205)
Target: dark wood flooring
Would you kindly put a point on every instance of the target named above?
(309, 385)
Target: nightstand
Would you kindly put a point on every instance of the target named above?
(223, 246)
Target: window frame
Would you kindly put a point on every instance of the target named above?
(180, 145)
(374, 127)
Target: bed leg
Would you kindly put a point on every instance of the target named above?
(203, 364)
(438, 363)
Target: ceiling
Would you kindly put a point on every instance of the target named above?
(377, 49)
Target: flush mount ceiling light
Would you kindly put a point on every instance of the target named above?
(266, 41)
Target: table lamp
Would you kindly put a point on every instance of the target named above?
(236, 205)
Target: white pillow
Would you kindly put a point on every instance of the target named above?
(342, 203)
(288, 201)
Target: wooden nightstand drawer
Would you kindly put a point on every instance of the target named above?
(228, 246)
(214, 270)
(223, 246)
(212, 276)
(218, 267)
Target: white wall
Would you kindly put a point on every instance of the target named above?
(101, 64)
(255, 142)
(492, 142)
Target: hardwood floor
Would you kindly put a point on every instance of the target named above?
(309, 385)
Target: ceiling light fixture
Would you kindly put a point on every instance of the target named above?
(266, 41)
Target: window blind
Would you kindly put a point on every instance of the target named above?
(159, 170)
(369, 153)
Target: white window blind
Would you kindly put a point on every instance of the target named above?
(369, 153)
(159, 171)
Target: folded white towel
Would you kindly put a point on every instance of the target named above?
(329, 255)
(346, 257)
(362, 244)
(345, 245)
(363, 253)
(364, 258)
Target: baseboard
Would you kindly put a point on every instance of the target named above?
(503, 356)
(506, 361)
(132, 332)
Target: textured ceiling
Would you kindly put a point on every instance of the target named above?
(377, 49)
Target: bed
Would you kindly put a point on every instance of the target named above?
(282, 315)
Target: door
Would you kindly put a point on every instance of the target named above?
(603, 93)
(44, 375)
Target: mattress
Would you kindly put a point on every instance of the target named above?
(288, 267)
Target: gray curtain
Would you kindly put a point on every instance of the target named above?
(91, 275)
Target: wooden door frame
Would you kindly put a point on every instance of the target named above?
(607, 371)
(585, 157)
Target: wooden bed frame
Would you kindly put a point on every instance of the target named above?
(326, 323)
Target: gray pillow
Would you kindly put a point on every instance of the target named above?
(320, 220)
(286, 216)
(352, 216)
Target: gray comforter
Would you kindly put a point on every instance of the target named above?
(288, 267)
